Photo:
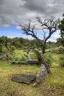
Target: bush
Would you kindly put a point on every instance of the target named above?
(4, 50)
(13, 48)
(0, 48)
(33, 55)
(48, 58)
(19, 58)
(23, 58)
(59, 50)
(61, 61)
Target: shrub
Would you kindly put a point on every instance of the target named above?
(59, 50)
(13, 48)
(0, 48)
(61, 61)
(33, 55)
(19, 58)
(48, 58)
(23, 58)
(4, 50)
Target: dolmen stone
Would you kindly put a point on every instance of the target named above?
(25, 62)
(23, 78)
(33, 62)
(36, 78)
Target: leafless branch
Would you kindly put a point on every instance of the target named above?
(29, 30)
(49, 24)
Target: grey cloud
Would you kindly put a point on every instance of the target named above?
(19, 11)
(1, 2)
(10, 11)
(35, 5)
(46, 7)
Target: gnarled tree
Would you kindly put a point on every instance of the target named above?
(47, 24)
(61, 27)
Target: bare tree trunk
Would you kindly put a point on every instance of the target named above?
(44, 47)
(36, 78)
(42, 74)
(41, 60)
(44, 69)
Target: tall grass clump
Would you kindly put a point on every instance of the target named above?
(59, 50)
(48, 58)
(19, 58)
(61, 61)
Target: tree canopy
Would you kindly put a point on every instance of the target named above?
(49, 24)
(61, 27)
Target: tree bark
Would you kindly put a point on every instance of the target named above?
(41, 60)
(43, 48)
(37, 78)
(42, 74)
(44, 69)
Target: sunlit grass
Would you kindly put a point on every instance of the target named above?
(56, 77)
(7, 87)
(52, 82)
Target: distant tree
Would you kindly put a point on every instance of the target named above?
(61, 27)
(49, 24)
(0, 48)
(16, 42)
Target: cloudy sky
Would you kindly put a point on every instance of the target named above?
(19, 11)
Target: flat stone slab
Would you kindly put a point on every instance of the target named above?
(33, 62)
(23, 78)
(25, 62)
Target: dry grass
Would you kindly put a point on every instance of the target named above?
(53, 85)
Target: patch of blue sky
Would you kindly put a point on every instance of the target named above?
(12, 31)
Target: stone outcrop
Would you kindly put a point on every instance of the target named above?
(25, 62)
(24, 78)
(37, 78)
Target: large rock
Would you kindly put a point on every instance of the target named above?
(18, 62)
(33, 62)
(37, 78)
(29, 78)
(25, 62)
(23, 78)
(42, 74)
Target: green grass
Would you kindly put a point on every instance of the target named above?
(56, 77)
(7, 87)
(52, 86)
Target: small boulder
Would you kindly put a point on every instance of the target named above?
(23, 78)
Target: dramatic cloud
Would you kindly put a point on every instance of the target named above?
(45, 7)
(19, 11)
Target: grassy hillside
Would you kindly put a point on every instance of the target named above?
(52, 86)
